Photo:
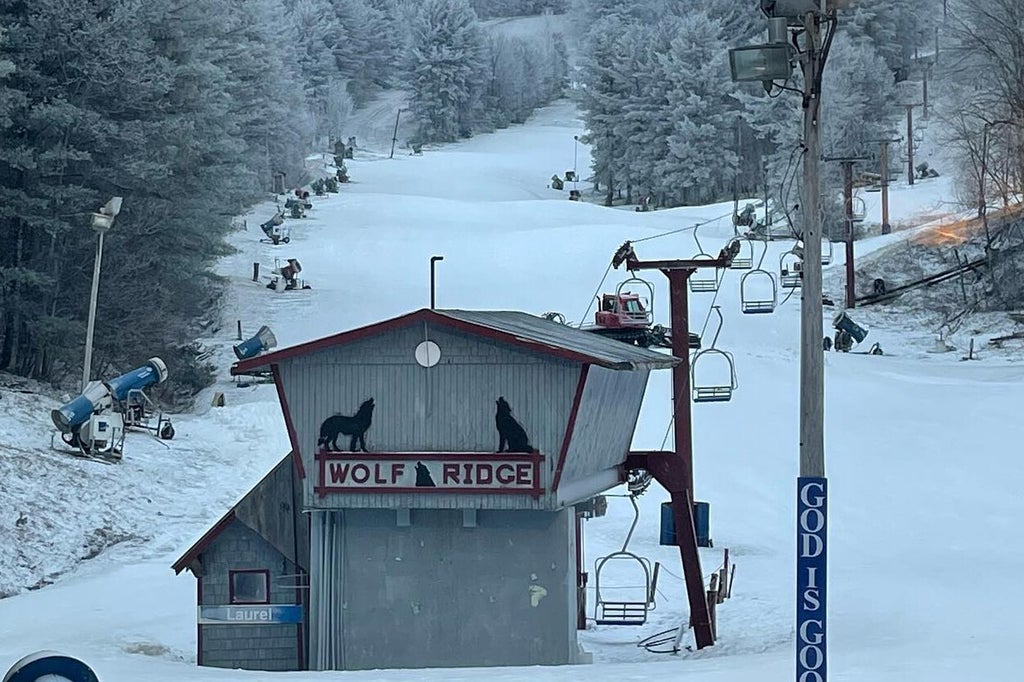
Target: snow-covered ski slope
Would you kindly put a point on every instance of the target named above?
(922, 450)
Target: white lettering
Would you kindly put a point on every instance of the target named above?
(811, 676)
(806, 654)
(819, 499)
(815, 638)
(813, 546)
(811, 601)
(812, 520)
(812, 576)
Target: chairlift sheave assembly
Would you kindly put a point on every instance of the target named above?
(718, 391)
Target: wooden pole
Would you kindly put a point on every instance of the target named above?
(812, 384)
(851, 296)
(910, 143)
(886, 228)
(239, 330)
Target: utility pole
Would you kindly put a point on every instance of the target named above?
(812, 383)
(910, 142)
(884, 173)
(851, 296)
(812, 486)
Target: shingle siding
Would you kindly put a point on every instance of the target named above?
(251, 647)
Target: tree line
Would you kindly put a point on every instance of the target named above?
(185, 108)
(665, 120)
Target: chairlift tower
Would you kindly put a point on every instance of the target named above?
(674, 470)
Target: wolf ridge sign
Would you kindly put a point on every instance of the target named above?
(341, 472)
(811, 553)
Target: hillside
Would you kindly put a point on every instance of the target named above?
(912, 440)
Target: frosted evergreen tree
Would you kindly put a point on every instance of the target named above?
(446, 70)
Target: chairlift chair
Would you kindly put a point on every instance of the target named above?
(718, 392)
(703, 283)
(750, 303)
(619, 611)
(790, 269)
(826, 251)
(857, 209)
(743, 261)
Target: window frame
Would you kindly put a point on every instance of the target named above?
(233, 598)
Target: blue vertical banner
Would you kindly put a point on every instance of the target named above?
(811, 563)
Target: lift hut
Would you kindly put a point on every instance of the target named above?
(439, 458)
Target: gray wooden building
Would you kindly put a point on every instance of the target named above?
(251, 571)
(439, 455)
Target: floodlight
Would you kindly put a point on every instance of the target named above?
(761, 62)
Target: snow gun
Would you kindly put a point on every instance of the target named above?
(101, 395)
(263, 340)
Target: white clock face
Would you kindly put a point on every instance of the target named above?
(428, 354)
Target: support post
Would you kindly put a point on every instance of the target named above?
(239, 329)
(812, 385)
(910, 143)
(811, 612)
(924, 94)
(851, 296)
(91, 326)
(394, 135)
(886, 228)
(682, 500)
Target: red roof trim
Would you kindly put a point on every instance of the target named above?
(570, 427)
(292, 436)
(208, 537)
(422, 315)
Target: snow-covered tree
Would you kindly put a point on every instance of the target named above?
(446, 70)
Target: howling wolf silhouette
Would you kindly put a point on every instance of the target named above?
(355, 426)
(510, 432)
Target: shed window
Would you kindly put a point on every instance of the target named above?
(249, 586)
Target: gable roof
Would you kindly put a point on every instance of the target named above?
(268, 512)
(506, 326)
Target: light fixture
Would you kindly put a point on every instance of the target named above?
(761, 62)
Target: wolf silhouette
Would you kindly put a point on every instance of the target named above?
(423, 477)
(355, 426)
(510, 432)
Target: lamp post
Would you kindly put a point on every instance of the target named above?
(101, 223)
(433, 261)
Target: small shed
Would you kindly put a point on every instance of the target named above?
(440, 454)
(251, 572)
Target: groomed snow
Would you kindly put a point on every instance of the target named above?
(922, 457)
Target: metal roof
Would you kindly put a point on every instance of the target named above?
(604, 351)
(505, 326)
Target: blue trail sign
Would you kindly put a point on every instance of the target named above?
(811, 562)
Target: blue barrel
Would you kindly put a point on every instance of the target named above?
(151, 373)
(701, 522)
(263, 340)
(95, 398)
(842, 321)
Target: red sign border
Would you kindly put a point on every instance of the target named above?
(323, 456)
